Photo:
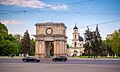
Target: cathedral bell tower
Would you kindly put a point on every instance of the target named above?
(75, 39)
(77, 43)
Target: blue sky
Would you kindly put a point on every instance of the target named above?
(21, 15)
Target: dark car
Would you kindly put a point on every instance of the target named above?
(60, 58)
(30, 59)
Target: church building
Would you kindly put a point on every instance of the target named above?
(77, 43)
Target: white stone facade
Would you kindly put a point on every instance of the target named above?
(77, 44)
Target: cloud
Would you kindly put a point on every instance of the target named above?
(12, 22)
(33, 4)
(59, 7)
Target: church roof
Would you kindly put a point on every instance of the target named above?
(80, 38)
(75, 27)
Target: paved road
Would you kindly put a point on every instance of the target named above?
(70, 61)
(37, 67)
(72, 65)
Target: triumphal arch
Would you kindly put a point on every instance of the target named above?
(50, 39)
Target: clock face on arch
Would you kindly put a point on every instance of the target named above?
(49, 31)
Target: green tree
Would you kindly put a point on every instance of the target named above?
(8, 44)
(107, 47)
(18, 37)
(25, 43)
(32, 51)
(87, 45)
(68, 46)
(3, 30)
(114, 42)
(93, 45)
(18, 40)
(8, 47)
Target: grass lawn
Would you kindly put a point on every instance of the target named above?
(13, 56)
(98, 57)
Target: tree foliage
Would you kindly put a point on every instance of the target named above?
(93, 45)
(13, 45)
(3, 30)
(114, 42)
(68, 46)
(32, 51)
(25, 43)
(7, 42)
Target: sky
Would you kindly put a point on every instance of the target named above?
(22, 15)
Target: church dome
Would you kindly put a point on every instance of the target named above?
(75, 27)
(80, 38)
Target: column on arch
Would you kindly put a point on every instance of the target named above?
(43, 49)
(36, 48)
(65, 48)
(40, 48)
(62, 47)
(55, 48)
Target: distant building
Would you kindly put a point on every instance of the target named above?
(77, 44)
(109, 36)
